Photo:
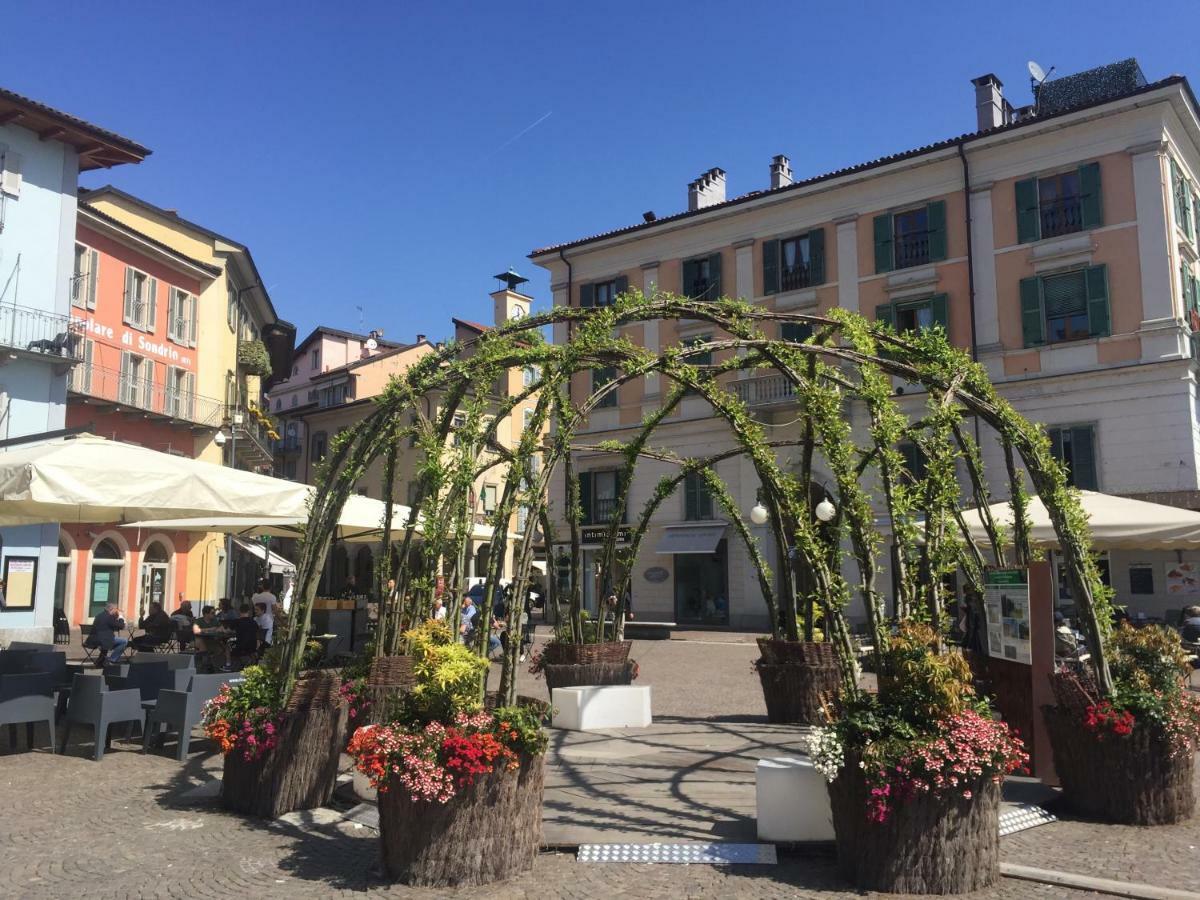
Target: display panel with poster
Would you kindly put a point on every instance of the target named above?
(20, 580)
(1183, 579)
(1006, 607)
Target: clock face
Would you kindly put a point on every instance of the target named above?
(516, 312)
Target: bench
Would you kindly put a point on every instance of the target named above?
(648, 631)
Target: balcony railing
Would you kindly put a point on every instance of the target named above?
(765, 390)
(1063, 216)
(704, 289)
(912, 249)
(36, 331)
(287, 445)
(794, 278)
(153, 397)
(602, 511)
(252, 445)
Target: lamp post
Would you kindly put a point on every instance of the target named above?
(759, 514)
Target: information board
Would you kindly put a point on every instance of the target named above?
(1006, 605)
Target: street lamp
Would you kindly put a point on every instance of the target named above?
(825, 510)
(759, 514)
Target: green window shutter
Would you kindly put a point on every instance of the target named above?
(622, 285)
(770, 262)
(1099, 315)
(585, 495)
(1029, 224)
(935, 214)
(886, 313)
(816, 256)
(1033, 323)
(687, 277)
(714, 277)
(1083, 458)
(691, 499)
(939, 308)
(1090, 197)
(884, 249)
(587, 295)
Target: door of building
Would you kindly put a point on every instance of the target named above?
(154, 586)
(702, 587)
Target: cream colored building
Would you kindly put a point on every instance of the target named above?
(1057, 243)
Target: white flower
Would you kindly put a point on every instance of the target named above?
(826, 751)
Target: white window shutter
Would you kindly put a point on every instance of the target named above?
(148, 384)
(189, 386)
(10, 177)
(130, 299)
(172, 314)
(193, 326)
(151, 304)
(93, 276)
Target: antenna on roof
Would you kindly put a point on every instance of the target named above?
(1037, 76)
(360, 318)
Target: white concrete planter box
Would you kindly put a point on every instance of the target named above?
(597, 708)
(792, 801)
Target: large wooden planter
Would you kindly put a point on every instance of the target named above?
(1131, 780)
(556, 653)
(798, 678)
(390, 678)
(561, 676)
(933, 844)
(300, 773)
(489, 831)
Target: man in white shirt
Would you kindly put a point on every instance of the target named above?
(265, 621)
(265, 597)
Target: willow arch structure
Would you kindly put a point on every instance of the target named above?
(846, 360)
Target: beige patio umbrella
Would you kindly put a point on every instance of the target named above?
(85, 478)
(1117, 523)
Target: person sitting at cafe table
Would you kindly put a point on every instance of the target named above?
(104, 634)
(158, 627)
(245, 634)
(265, 622)
(225, 610)
(212, 644)
(1189, 631)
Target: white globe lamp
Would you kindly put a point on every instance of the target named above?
(826, 510)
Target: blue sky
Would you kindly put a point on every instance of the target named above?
(377, 155)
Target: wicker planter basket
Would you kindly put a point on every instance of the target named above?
(561, 676)
(301, 771)
(555, 653)
(391, 677)
(489, 831)
(933, 844)
(798, 678)
(1130, 780)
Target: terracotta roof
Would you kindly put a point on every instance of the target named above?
(338, 332)
(97, 147)
(866, 166)
(158, 245)
(474, 326)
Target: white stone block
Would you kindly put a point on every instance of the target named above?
(792, 801)
(596, 708)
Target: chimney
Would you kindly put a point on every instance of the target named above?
(781, 172)
(707, 190)
(420, 338)
(991, 109)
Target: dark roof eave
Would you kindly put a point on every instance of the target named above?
(158, 245)
(865, 167)
(118, 142)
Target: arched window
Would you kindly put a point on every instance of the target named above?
(364, 570)
(105, 583)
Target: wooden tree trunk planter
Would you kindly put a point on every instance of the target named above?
(489, 831)
(1131, 780)
(932, 844)
(301, 771)
(798, 678)
(391, 677)
(576, 675)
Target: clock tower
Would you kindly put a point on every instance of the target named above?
(510, 303)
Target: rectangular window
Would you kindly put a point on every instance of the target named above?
(1065, 301)
(1141, 578)
(1066, 307)
(795, 332)
(795, 258)
(697, 499)
(1060, 204)
(529, 376)
(181, 317)
(1075, 447)
(598, 496)
(910, 236)
(606, 293)
(601, 377)
(915, 461)
(314, 360)
(141, 294)
(79, 379)
(487, 497)
(527, 419)
(318, 446)
(83, 279)
(702, 277)
(137, 381)
(602, 293)
(180, 392)
(793, 263)
(916, 315)
(1184, 211)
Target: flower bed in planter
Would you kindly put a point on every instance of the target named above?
(914, 775)
(798, 679)
(1128, 758)
(278, 759)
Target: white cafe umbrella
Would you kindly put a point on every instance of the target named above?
(1117, 523)
(85, 478)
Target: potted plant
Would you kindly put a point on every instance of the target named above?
(1129, 757)
(567, 663)
(280, 754)
(449, 770)
(254, 358)
(798, 677)
(914, 774)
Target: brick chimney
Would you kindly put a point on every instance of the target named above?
(991, 109)
(781, 172)
(707, 190)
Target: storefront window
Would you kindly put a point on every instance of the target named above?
(701, 587)
(105, 586)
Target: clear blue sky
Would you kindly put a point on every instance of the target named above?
(369, 153)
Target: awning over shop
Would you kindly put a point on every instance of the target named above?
(276, 563)
(691, 539)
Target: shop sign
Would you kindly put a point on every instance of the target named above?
(598, 534)
(656, 574)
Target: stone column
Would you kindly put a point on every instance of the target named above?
(983, 245)
(1161, 336)
(650, 328)
(847, 262)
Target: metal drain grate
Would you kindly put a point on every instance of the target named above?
(710, 854)
(1025, 815)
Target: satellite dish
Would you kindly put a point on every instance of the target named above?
(1036, 72)
(371, 343)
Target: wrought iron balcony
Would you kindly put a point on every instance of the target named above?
(109, 386)
(288, 445)
(37, 333)
(765, 390)
(1063, 216)
(912, 249)
(793, 278)
(601, 512)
